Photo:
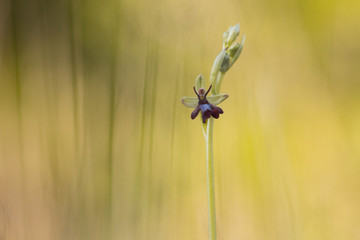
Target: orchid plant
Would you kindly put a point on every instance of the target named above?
(207, 105)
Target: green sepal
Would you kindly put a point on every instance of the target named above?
(217, 99)
(190, 102)
(200, 82)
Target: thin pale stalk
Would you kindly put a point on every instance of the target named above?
(210, 179)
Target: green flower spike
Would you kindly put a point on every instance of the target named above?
(207, 105)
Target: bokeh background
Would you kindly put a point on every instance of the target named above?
(95, 144)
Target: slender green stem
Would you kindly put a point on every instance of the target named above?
(210, 163)
(210, 179)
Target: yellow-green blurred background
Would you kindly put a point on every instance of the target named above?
(95, 144)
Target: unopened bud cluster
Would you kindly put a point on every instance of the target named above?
(227, 57)
(232, 49)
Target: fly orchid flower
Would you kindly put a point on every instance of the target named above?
(207, 105)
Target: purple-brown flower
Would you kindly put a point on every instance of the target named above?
(207, 105)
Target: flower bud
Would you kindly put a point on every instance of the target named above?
(233, 32)
(226, 35)
(238, 52)
(216, 67)
(233, 49)
(225, 64)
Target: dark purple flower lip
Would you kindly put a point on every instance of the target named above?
(207, 109)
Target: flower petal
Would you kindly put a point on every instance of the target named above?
(205, 115)
(190, 102)
(205, 107)
(195, 112)
(215, 113)
(217, 99)
(205, 111)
